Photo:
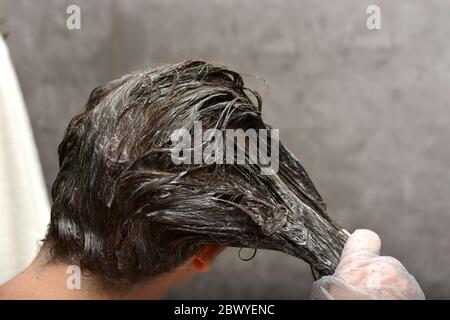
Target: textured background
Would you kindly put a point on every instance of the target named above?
(366, 112)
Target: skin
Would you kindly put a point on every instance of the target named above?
(46, 281)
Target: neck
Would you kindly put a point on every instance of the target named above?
(51, 280)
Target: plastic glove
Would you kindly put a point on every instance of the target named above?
(364, 275)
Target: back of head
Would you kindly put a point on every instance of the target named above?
(125, 211)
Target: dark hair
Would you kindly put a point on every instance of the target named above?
(123, 211)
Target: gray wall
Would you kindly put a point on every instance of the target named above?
(367, 112)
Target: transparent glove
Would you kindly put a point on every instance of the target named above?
(364, 275)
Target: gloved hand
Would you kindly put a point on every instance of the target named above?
(363, 274)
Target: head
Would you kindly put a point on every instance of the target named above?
(127, 213)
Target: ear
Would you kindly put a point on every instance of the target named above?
(205, 257)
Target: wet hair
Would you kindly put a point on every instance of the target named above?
(123, 211)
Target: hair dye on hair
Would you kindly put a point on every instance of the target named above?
(124, 211)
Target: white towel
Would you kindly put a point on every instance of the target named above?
(24, 205)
